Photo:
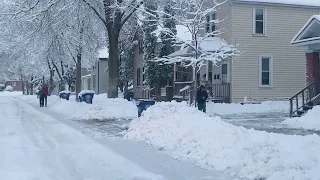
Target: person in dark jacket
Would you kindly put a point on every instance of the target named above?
(202, 97)
(41, 95)
(46, 93)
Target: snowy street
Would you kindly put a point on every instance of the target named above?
(38, 146)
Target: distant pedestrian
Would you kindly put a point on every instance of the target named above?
(202, 97)
(46, 93)
(41, 95)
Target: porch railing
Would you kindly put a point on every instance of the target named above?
(302, 98)
(220, 92)
(182, 90)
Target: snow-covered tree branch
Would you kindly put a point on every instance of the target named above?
(197, 18)
(206, 44)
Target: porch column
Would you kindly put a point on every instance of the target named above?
(207, 71)
(174, 78)
(312, 65)
(174, 72)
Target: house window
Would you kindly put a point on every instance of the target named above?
(138, 76)
(265, 71)
(259, 21)
(224, 68)
(143, 75)
(210, 26)
(140, 47)
(14, 84)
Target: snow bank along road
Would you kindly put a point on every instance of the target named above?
(35, 146)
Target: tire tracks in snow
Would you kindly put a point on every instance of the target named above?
(58, 165)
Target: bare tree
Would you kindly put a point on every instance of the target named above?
(64, 32)
(113, 14)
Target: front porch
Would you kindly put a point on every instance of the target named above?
(214, 77)
(308, 37)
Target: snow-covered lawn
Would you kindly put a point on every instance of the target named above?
(102, 108)
(237, 108)
(188, 134)
(311, 120)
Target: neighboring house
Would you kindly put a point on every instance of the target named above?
(85, 79)
(86, 82)
(140, 88)
(2, 86)
(100, 73)
(269, 67)
(15, 84)
(308, 36)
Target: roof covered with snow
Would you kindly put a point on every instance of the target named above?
(209, 44)
(309, 33)
(213, 44)
(103, 53)
(286, 2)
(183, 33)
(86, 76)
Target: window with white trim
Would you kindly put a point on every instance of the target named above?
(265, 71)
(143, 74)
(210, 26)
(259, 21)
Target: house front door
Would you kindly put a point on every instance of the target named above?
(216, 74)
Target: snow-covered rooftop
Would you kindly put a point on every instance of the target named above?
(209, 44)
(287, 2)
(86, 76)
(213, 44)
(183, 34)
(104, 53)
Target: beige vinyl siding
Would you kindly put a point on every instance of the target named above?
(224, 14)
(138, 62)
(289, 65)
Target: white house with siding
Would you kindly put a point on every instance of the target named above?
(100, 73)
(269, 67)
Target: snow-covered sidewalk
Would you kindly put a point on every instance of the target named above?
(102, 108)
(237, 108)
(36, 146)
(188, 134)
(145, 156)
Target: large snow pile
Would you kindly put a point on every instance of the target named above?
(187, 133)
(233, 108)
(86, 92)
(8, 93)
(311, 120)
(9, 88)
(103, 108)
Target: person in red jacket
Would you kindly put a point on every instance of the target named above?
(46, 93)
